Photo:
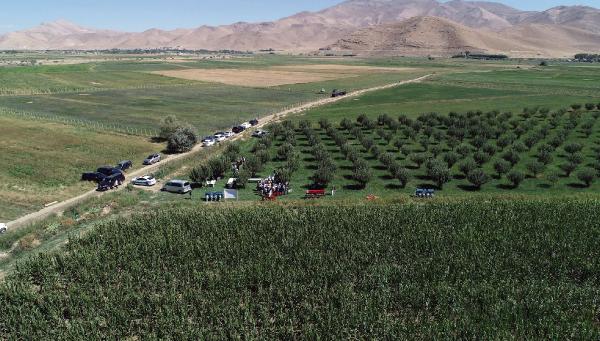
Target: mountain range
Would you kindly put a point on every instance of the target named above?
(407, 27)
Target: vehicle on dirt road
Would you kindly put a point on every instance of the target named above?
(254, 122)
(146, 180)
(177, 186)
(3, 228)
(208, 141)
(246, 125)
(124, 165)
(111, 182)
(238, 129)
(229, 134)
(152, 159)
(108, 170)
(220, 137)
(338, 93)
(92, 176)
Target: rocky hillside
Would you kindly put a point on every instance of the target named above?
(304, 31)
(425, 36)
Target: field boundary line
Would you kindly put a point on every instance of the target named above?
(96, 126)
(69, 203)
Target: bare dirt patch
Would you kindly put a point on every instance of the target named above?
(356, 69)
(253, 78)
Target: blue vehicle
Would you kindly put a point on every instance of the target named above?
(214, 196)
(424, 193)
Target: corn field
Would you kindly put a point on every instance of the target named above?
(468, 270)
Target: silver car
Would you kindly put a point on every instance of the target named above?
(146, 180)
(177, 186)
(152, 159)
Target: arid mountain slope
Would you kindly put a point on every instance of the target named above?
(582, 17)
(423, 36)
(304, 31)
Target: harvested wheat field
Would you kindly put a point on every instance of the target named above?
(252, 78)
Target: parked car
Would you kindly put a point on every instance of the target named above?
(92, 176)
(260, 133)
(3, 228)
(254, 122)
(246, 125)
(238, 129)
(338, 93)
(229, 134)
(124, 165)
(220, 137)
(111, 182)
(152, 159)
(146, 180)
(208, 141)
(108, 170)
(177, 186)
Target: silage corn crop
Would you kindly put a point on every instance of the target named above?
(460, 270)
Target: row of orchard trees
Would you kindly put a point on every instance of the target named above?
(475, 139)
(512, 146)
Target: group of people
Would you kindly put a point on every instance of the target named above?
(271, 187)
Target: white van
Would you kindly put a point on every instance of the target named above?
(177, 186)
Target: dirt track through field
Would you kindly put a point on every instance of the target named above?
(65, 205)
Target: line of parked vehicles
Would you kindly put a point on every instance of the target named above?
(108, 177)
(221, 136)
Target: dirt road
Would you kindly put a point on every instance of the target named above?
(65, 205)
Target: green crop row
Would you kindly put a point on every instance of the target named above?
(496, 270)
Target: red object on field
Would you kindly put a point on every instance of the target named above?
(315, 193)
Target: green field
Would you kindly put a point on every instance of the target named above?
(95, 112)
(123, 96)
(436, 139)
(127, 95)
(43, 161)
(503, 270)
(553, 87)
(496, 261)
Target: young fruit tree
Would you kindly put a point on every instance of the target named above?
(438, 171)
(478, 178)
(587, 176)
(516, 178)
(400, 173)
(502, 167)
(535, 168)
(361, 173)
(467, 166)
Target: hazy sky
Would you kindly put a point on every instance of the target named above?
(138, 15)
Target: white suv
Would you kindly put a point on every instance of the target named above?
(3, 228)
(220, 137)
